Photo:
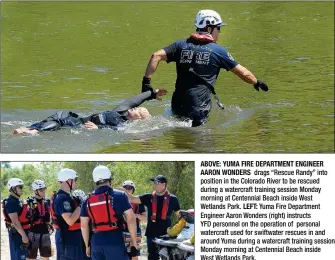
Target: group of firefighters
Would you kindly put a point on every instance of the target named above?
(105, 225)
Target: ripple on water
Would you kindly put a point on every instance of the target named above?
(101, 70)
(16, 97)
(95, 93)
(41, 74)
(303, 58)
(73, 78)
(16, 86)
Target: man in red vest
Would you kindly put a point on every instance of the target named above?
(160, 205)
(106, 209)
(39, 233)
(140, 214)
(17, 216)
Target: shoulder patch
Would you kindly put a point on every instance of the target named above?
(230, 57)
(67, 205)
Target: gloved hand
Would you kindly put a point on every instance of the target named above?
(50, 229)
(189, 218)
(80, 196)
(133, 251)
(261, 85)
(78, 200)
(146, 84)
(24, 247)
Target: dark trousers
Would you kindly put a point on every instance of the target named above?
(56, 121)
(70, 252)
(152, 249)
(106, 252)
(16, 252)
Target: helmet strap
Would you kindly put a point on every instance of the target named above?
(14, 191)
(70, 185)
(36, 193)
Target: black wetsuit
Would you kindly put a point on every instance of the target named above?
(106, 119)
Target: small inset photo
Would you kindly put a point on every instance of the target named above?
(97, 210)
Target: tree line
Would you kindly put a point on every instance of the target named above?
(180, 176)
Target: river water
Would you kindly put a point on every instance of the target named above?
(90, 56)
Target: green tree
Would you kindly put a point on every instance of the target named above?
(27, 174)
(5, 165)
(48, 173)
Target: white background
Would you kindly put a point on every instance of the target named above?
(326, 198)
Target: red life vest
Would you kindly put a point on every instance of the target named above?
(101, 212)
(41, 209)
(25, 216)
(58, 221)
(202, 37)
(136, 210)
(165, 205)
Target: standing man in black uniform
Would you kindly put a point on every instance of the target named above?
(160, 205)
(18, 218)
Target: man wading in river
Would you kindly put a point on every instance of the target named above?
(199, 60)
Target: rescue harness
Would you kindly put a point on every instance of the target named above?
(165, 205)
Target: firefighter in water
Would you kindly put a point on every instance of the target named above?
(160, 204)
(39, 232)
(18, 217)
(140, 214)
(65, 213)
(107, 209)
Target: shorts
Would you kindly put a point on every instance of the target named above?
(39, 242)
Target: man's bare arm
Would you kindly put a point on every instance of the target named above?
(156, 57)
(17, 225)
(142, 216)
(130, 218)
(244, 74)
(85, 230)
(132, 198)
(71, 218)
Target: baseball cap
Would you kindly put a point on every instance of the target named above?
(159, 178)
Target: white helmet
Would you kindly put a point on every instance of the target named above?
(13, 182)
(38, 184)
(129, 183)
(66, 174)
(207, 17)
(101, 173)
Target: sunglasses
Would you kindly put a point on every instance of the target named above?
(75, 179)
(42, 189)
(128, 187)
(20, 186)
